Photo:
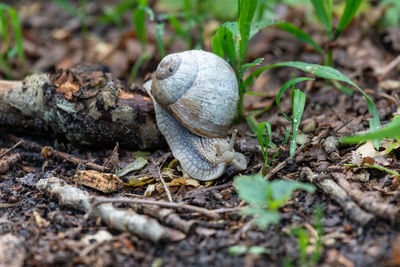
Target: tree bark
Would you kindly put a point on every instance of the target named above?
(84, 104)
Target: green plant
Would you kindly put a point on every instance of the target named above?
(303, 243)
(11, 41)
(323, 11)
(231, 41)
(239, 250)
(391, 17)
(189, 18)
(265, 197)
(325, 72)
(113, 14)
(392, 130)
(139, 21)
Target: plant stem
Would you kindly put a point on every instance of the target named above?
(328, 58)
(240, 102)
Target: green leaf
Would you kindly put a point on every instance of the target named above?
(237, 250)
(252, 189)
(223, 44)
(252, 122)
(256, 27)
(69, 8)
(246, 11)
(139, 19)
(348, 14)
(17, 32)
(299, 101)
(323, 10)
(257, 250)
(233, 27)
(159, 38)
(149, 12)
(299, 34)
(3, 27)
(262, 217)
(264, 137)
(283, 189)
(252, 64)
(392, 130)
(327, 73)
(283, 89)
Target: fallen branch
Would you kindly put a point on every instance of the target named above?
(165, 204)
(369, 201)
(83, 104)
(48, 152)
(121, 220)
(334, 191)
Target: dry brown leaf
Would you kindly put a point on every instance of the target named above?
(104, 182)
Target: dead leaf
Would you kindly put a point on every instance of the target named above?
(104, 182)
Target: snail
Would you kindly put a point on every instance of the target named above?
(195, 95)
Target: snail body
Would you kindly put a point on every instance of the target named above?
(195, 95)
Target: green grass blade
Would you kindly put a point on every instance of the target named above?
(252, 64)
(17, 32)
(299, 34)
(247, 9)
(392, 130)
(299, 101)
(348, 14)
(3, 28)
(287, 85)
(327, 73)
(69, 8)
(159, 38)
(139, 62)
(5, 67)
(323, 10)
(256, 27)
(139, 19)
(264, 127)
(223, 44)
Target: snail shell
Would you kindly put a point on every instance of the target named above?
(200, 89)
(195, 96)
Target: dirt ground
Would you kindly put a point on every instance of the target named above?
(360, 224)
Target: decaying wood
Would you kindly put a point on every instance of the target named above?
(334, 191)
(121, 220)
(12, 251)
(369, 201)
(48, 152)
(84, 104)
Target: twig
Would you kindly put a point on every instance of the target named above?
(333, 190)
(201, 191)
(369, 201)
(206, 212)
(11, 148)
(276, 169)
(163, 182)
(48, 152)
(121, 220)
(389, 67)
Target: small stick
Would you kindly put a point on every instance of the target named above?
(49, 151)
(206, 212)
(163, 183)
(368, 201)
(389, 67)
(337, 193)
(11, 148)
